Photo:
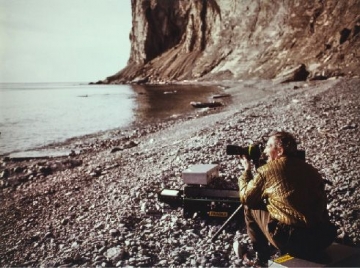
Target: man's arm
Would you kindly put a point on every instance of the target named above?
(250, 189)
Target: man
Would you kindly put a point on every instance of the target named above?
(285, 202)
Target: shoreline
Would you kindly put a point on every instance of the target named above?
(100, 207)
(231, 87)
(139, 119)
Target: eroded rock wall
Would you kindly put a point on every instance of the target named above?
(175, 40)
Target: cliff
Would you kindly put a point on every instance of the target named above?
(289, 40)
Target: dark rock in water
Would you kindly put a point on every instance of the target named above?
(213, 104)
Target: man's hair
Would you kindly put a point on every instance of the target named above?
(287, 141)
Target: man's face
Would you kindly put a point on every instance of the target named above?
(271, 150)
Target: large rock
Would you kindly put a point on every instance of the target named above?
(297, 73)
(223, 39)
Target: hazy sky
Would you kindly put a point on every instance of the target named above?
(63, 40)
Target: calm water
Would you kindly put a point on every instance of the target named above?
(33, 115)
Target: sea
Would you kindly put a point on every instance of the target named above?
(33, 115)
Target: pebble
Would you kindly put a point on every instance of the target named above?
(114, 232)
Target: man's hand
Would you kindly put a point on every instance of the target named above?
(245, 162)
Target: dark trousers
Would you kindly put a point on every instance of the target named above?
(302, 242)
(257, 228)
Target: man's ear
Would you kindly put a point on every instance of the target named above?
(280, 151)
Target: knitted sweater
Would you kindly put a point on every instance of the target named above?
(293, 190)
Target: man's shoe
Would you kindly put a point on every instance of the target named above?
(252, 259)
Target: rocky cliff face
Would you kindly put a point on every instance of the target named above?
(175, 40)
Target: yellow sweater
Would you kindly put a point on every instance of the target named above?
(293, 189)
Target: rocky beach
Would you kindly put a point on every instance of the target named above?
(99, 206)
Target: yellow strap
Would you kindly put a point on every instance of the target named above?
(283, 258)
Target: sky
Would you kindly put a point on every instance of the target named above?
(63, 40)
